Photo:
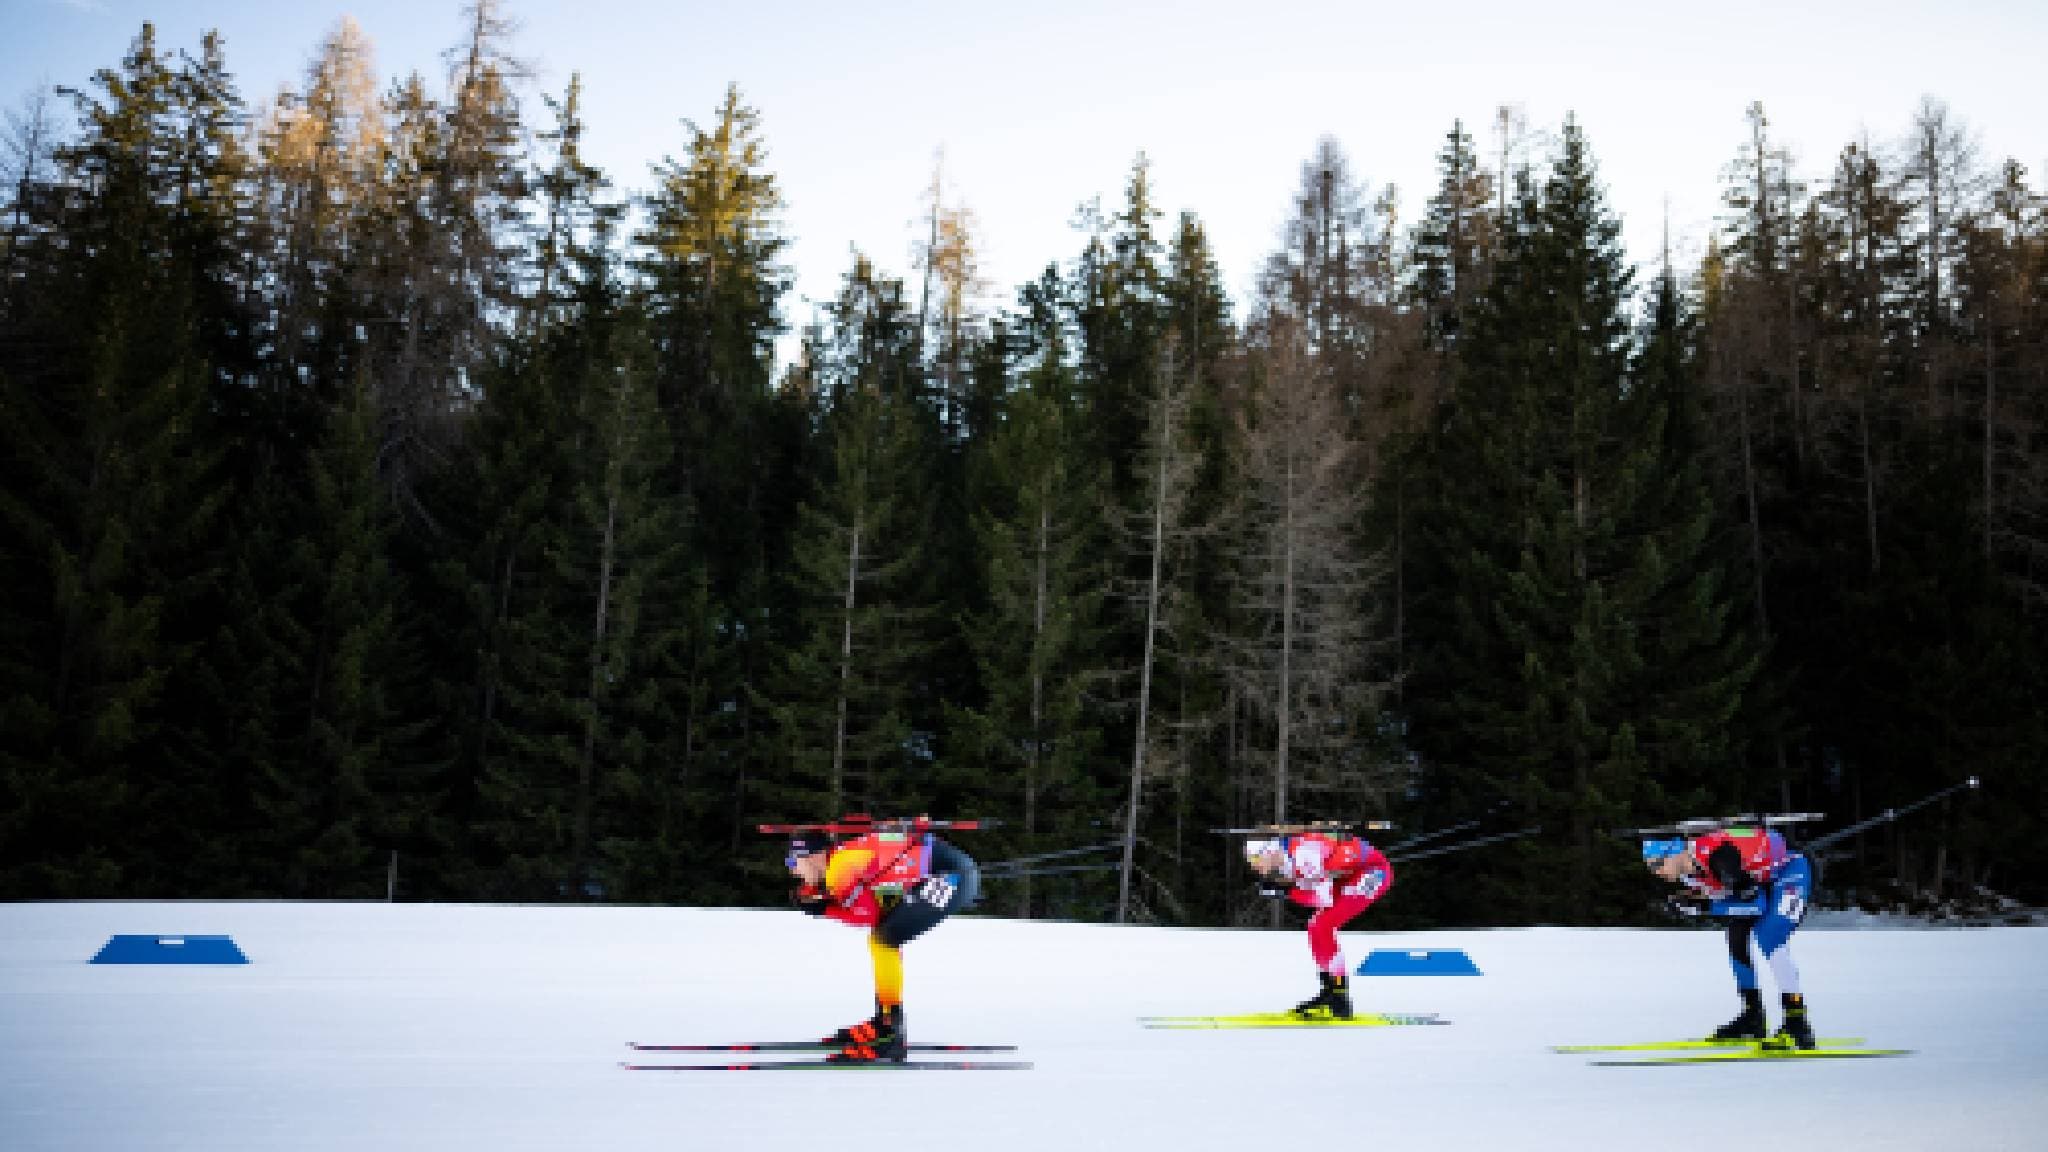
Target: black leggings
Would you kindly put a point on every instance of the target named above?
(951, 884)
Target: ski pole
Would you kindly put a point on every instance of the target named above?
(1019, 873)
(1821, 843)
(1460, 846)
(1475, 822)
(1018, 861)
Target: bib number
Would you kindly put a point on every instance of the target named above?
(1792, 904)
(1368, 884)
(936, 891)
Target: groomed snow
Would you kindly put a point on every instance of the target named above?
(451, 1027)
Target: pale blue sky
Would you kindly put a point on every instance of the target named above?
(1042, 105)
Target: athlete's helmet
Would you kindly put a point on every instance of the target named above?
(802, 844)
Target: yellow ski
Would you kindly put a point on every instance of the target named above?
(1698, 1045)
(1745, 1054)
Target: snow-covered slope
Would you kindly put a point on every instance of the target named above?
(445, 1027)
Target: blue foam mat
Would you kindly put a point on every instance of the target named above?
(170, 950)
(1418, 962)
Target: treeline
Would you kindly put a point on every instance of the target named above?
(394, 504)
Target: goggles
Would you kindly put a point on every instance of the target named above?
(1654, 850)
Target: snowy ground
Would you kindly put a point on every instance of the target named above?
(447, 1027)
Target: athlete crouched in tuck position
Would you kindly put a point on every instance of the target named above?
(899, 884)
(1749, 877)
(1337, 876)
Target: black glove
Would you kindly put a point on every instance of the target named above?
(811, 901)
(1686, 905)
(1724, 864)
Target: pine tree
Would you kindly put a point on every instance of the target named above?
(28, 151)
(846, 693)
(1454, 242)
(1702, 656)
(319, 149)
(616, 558)
(1566, 554)
(1305, 584)
(1036, 642)
(1205, 778)
(1150, 534)
(1120, 321)
(949, 326)
(713, 247)
(1334, 275)
(335, 784)
(113, 482)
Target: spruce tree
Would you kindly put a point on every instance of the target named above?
(847, 694)
(113, 485)
(1570, 562)
(338, 782)
(1454, 242)
(712, 252)
(1120, 320)
(1038, 533)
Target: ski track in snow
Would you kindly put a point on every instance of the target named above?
(451, 1027)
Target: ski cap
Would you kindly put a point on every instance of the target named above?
(1661, 849)
(1253, 849)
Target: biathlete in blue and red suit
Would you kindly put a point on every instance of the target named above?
(1338, 877)
(898, 885)
(1748, 876)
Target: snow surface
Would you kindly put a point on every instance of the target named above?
(448, 1027)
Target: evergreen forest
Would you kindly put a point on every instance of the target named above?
(395, 505)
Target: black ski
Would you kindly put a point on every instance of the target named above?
(836, 1065)
(806, 1046)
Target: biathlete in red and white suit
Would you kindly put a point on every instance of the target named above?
(1337, 876)
(1749, 877)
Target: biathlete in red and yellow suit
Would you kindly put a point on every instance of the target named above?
(898, 884)
(1337, 876)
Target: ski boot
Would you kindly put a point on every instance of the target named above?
(859, 1033)
(1332, 1003)
(1796, 1031)
(878, 1040)
(1749, 1025)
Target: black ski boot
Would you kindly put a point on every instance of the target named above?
(1332, 1003)
(881, 1039)
(1796, 1031)
(1749, 1025)
(859, 1033)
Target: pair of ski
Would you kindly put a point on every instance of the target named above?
(929, 1057)
(793, 1048)
(1659, 1053)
